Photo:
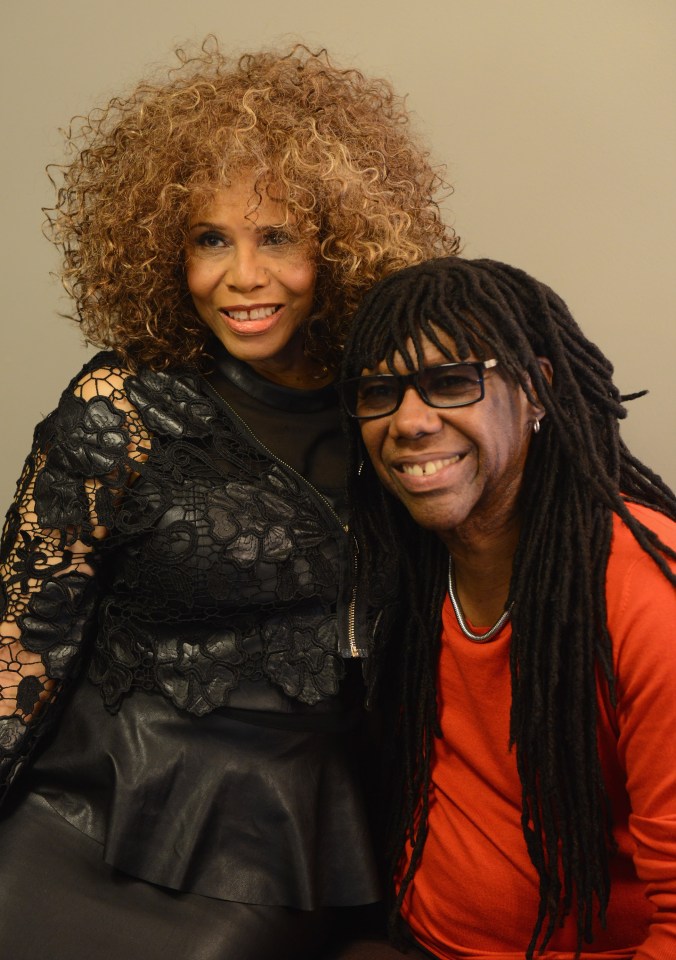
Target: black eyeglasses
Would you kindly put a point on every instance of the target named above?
(448, 385)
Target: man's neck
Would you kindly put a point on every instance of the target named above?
(483, 571)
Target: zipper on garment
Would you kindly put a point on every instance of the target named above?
(279, 459)
(351, 613)
(352, 608)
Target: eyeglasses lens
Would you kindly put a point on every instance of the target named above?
(373, 396)
(448, 385)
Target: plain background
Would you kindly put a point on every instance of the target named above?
(555, 119)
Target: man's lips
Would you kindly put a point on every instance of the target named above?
(429, 474)
(428, 468)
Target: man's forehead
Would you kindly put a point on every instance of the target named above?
(432, 354)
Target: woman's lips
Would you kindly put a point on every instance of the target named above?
(251, 321)
(251, 313)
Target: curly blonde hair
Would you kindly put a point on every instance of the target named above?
(355, 181)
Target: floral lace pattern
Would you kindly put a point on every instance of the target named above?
(153, 533)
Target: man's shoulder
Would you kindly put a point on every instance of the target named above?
(624, 543)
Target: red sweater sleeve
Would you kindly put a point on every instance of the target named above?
(642, 622)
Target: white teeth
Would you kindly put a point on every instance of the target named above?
(257, 314)
(427, 469)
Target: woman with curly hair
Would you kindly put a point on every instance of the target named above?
(177, 684)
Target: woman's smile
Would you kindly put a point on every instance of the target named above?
(251, 281)
(251, 321)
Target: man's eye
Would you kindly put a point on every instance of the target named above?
(376, 391)
(451, 383)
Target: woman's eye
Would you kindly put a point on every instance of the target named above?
(210, 239)
(275, 238)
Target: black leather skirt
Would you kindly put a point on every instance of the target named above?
(152, 833)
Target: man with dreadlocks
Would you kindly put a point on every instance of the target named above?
(522, 563)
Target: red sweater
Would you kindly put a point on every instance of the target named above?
(475, 894)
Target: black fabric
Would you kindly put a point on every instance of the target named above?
(164, 570)
(308, 438)
(267, 393)
(152, 526)
(213, 805)
(98, 913)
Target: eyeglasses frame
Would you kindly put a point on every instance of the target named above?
(406, 380)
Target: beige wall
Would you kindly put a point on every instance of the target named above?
(555, 117)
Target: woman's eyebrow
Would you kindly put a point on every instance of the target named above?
(206, 223)
(258, 228)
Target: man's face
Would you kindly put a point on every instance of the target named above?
(458, 470)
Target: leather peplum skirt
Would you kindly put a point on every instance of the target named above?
(248, 805)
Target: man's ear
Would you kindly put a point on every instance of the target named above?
(546, 369)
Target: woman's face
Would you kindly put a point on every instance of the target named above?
(251, 283)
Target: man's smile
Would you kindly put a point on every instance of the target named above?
(427, 468)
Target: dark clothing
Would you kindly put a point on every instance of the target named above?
(196, 728)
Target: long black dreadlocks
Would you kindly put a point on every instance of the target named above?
(578, 473)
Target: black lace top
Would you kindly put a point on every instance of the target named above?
(161, 562)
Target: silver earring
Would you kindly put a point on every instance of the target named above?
(536, 426)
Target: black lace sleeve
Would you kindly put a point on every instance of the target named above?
(83, 456)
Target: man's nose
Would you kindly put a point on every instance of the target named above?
(414, 417)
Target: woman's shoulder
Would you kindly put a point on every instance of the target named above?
(102, 375)
(170, 402)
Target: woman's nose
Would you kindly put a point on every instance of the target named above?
(245, 270)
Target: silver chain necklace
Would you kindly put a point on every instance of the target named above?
(462, 623)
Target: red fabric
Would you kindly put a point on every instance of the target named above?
(475, 894)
